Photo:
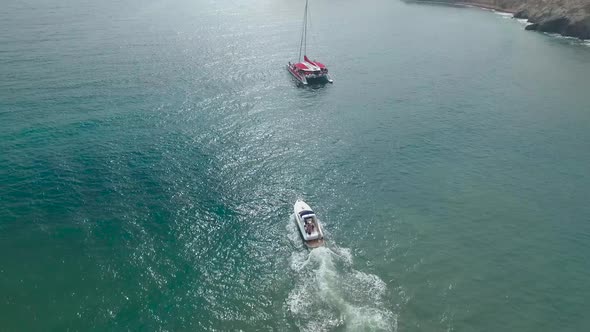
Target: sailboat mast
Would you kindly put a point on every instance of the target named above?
(303, 44)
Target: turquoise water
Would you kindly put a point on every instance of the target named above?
(151, 151)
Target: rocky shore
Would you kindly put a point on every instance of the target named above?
(566, 17)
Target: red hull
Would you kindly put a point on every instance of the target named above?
(308, 71)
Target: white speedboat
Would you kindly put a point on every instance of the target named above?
(308, 225)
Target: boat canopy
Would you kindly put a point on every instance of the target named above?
(300, 65)
(306, 66)
(305, 213)
(315, 63)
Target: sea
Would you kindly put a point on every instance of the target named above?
(151, 152)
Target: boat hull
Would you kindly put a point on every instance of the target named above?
(298, 77)
(309, 79)
(305, 217)
(309, 243)
(314, 243)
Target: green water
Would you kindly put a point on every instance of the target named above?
(151, 151)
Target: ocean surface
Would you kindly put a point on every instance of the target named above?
(151, 152)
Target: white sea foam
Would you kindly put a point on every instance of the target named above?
(571, 40)
(524, 21)
(330, 293)
(503, 14)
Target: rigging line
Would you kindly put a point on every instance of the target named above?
(308, 25)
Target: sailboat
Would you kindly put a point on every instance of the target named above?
(308, 71)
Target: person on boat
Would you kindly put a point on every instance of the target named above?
(309, 226)
(309, 229)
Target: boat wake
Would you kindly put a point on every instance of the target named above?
(330, 294)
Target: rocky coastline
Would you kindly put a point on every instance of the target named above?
(565, 17)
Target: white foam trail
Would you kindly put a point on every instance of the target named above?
(330, 293)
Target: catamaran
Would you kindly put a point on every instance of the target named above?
(308, 71)
(308, 225)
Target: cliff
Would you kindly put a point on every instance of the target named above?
(565, 17)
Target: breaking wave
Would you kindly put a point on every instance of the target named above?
(330, 294)
(523, 21)
(506, 15)
(503, 14)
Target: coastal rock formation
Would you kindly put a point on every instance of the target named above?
(565, 17)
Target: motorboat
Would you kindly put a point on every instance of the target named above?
(308, 225)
